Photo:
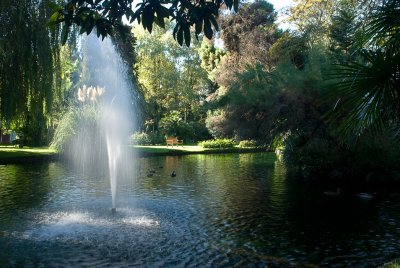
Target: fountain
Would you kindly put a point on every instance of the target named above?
(108, 96)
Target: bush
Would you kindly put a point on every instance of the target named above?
(218, 143)
(75, 124)
(248, 143)
(218, 125)
(141, 138)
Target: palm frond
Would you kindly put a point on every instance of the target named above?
(368, 92)
(384, 27)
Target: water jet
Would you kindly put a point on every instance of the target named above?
(107, 100)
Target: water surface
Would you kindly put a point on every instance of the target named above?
(228, 210)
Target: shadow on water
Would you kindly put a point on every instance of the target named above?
(22, 188)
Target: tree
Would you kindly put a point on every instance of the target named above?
(243, 97)
(29, 68)
(107, 16)
(368, 87)
(312, 18)
(211, 57)
(342, 30)
(170, 77)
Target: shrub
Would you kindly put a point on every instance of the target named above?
(247, 143)
(142, 138)
(218, 125)
(200, 132)
(76, 122)
(218, 143)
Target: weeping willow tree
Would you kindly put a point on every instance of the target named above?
(31, 77)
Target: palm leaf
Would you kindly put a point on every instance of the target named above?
(384, 27)
(368, 92)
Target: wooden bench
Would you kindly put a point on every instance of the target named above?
(174, 141)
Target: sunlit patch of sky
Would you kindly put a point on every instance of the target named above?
(278, 4)
(281, 6)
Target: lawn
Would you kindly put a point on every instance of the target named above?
(11, 154)
(7, 152)
(169, 149)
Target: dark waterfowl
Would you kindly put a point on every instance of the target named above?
(365, 196)
(333, 193)
(173, 174)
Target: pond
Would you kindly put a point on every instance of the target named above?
(221, 210)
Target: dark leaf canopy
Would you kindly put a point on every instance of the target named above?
(107, 15)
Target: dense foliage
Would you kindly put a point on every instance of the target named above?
(39, 78)
(35, 71)
(248, 144)
(324, 95)
(142, 138)
(173, 84)
(218, 143)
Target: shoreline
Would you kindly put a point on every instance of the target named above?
(21, 156)
(139, 152)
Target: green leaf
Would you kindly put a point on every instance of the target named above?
(214, 22)
(162, 11)
(228, 3)
(207, 28)
(179, 36)
(148, 18)
(55, 17)
(82, 30)
(64, 34)
(187, 35)
(175, 30)
(236, 5)
(160, 22)
(55, 7)
(198, 27)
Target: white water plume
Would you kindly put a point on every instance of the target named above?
(106, 120)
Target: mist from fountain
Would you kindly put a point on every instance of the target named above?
(108, 95)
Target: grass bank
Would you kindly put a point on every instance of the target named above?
(13, 155)
(188, 149)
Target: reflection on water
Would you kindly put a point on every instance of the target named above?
(220, 210)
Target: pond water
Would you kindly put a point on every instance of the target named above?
(219, 211)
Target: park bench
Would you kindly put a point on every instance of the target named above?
(174, 141)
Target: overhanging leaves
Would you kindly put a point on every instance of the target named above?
(108, 14)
